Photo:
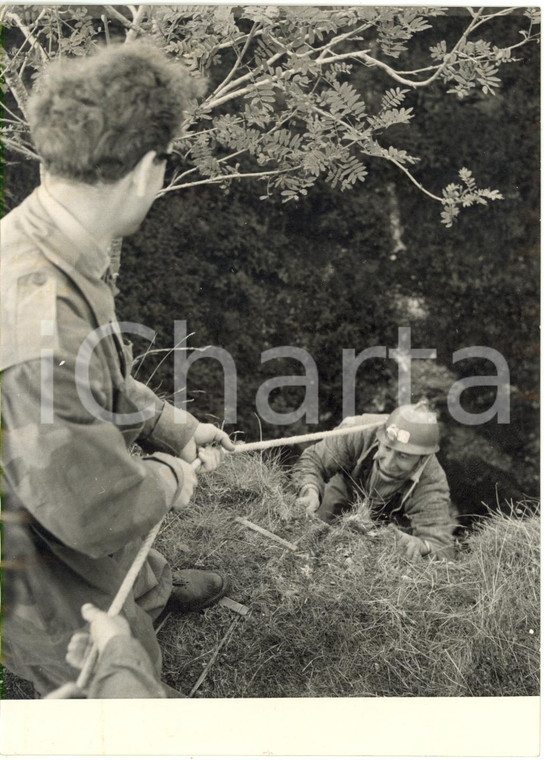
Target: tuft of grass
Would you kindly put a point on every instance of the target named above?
(344, 615)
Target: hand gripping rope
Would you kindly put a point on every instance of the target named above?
(130, 578)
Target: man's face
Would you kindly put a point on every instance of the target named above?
(396, 464)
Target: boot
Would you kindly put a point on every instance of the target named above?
(194, 590)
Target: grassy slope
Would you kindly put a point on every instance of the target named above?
(344, 615)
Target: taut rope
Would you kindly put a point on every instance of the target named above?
(124, 589)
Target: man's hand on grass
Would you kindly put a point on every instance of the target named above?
(308, 499)
(411, 547)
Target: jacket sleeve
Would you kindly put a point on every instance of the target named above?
(72, 470)
(318, 463)
(124, 671)
(428, 510)
(170, 429)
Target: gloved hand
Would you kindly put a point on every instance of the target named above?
(188, 477)
(102, 629)
(411, 547)
(308, 498)
(204, 435)
(211, 457)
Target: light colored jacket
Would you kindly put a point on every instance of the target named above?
(87, 500)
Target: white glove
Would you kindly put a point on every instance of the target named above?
(211, 457)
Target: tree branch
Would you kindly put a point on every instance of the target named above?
(396, 75)
(14, 115)
(362, 136)
(414, 180)
(16, 86)
(137, 18)
(208, 106)
(195, 168)
(114, 13)
(29, 36)
(341, 38)
(252, 74)
(484, 19)
(226, 178)
(238, 61)
(18, 147)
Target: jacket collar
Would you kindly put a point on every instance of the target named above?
(67, 245)
(84, 254)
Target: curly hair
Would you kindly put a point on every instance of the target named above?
(92, 119)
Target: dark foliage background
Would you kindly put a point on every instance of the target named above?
(325, 274)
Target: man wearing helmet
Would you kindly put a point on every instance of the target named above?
(387, 471)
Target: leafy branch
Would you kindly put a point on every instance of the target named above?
(286, 104)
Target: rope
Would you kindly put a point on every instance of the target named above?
(126, 586)
(124, 590)
(337, 432)
(119, 600)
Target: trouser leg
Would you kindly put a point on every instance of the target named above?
(31, 653)
(337, 498)
(153, 585)
(33, 650)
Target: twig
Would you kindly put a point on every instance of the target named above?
(230, 604)
(414, 181)
(239, 59)
(114, 13)
(104, 20)
(19, 148)
(212, 659)
(28, 34)
(225, 178)
(265, 532)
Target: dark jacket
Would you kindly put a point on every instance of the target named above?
(424, 499)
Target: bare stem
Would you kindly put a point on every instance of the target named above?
(138, 15)
(114, 13)
(239, 59)
(18, 147)
(414, 180)
(226, 178)
(28, 34)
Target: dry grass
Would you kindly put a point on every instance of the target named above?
(343, 615)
